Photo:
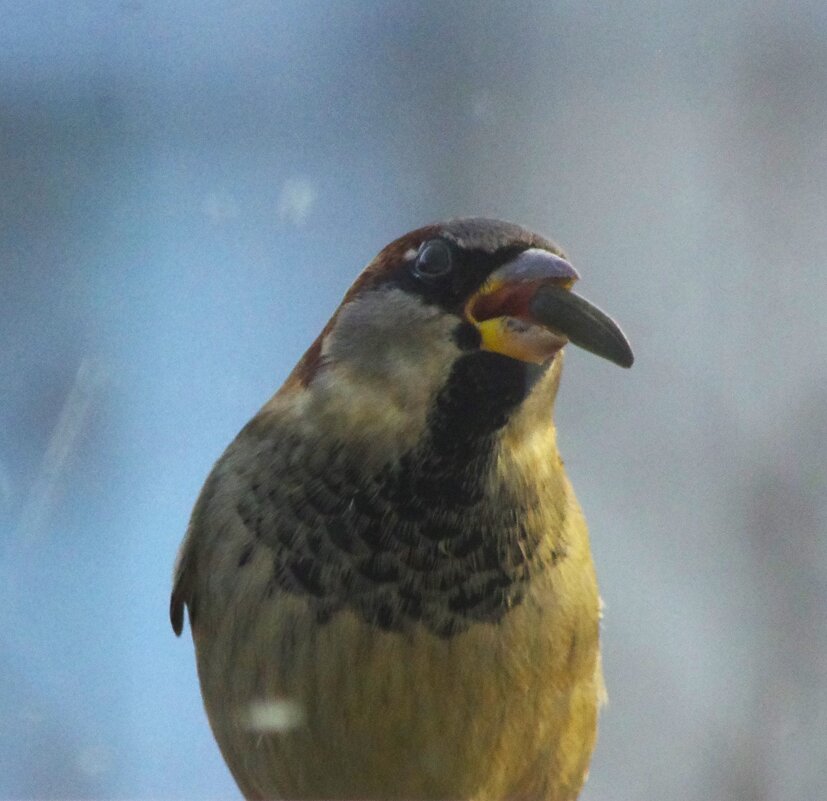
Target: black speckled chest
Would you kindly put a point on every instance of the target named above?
(428, 539)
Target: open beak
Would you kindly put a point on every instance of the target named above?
(526, 310)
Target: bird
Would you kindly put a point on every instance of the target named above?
(387, 575)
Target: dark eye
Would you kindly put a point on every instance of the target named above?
(433, 260)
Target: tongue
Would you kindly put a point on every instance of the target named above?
(510, 300)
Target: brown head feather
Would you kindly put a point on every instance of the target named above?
(477, 233)
(385, 261)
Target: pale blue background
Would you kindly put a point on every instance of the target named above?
(186, 190)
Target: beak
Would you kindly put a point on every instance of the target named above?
(526, 310)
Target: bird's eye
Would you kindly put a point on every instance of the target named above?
(433, 260)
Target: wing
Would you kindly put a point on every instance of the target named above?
(181, 589)
(184, 573)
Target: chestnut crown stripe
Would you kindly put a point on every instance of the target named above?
(479, 246)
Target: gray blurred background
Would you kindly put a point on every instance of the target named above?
(186, 190)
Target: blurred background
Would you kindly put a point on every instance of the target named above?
(187, 189)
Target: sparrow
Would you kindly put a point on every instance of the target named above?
(388, 578)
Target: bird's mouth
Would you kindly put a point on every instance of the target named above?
(526, 310)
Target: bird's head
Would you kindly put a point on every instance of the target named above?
(456, 323)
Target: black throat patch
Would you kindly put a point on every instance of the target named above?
(430, 539)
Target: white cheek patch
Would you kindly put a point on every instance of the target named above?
(378, 329)
(386, 358)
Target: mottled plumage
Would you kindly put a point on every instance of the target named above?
(391, 546)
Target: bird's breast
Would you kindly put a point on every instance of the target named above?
(434, 620)
(491, 712)
(421, 541)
